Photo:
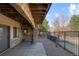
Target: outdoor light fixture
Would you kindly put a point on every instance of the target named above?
(25, 31)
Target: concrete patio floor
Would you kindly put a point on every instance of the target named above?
(26, 49)
(41, 47)
(51, 49)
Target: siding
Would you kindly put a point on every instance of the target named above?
(4, 20)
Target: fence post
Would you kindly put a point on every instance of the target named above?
(64, 39)
(77, 47)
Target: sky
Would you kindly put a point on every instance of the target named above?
(62, 10)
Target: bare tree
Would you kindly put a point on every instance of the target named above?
(56, 24)
(60, 23)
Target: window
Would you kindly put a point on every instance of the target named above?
(14, 32)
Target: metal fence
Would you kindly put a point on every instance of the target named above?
(69, 40)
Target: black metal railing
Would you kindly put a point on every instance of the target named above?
(69, 40)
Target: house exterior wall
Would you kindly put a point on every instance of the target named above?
(4, 20)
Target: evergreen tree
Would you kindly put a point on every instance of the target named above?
(44, 26)
(74, 23)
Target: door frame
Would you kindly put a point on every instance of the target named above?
(8, 39)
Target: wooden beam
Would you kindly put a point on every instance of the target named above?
(7, 10)
(37, 5)
(48, 7)
(38, 9)
(37, 15)
(38, 12)
(23, 9)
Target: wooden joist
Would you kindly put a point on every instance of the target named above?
(9, 11)
(39, 11)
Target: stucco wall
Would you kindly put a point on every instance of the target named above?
(4, 20)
